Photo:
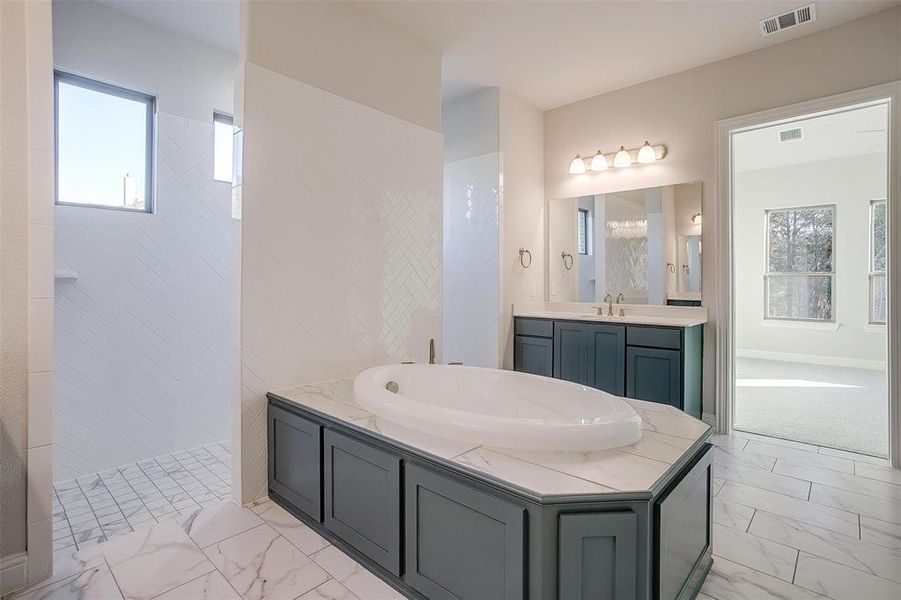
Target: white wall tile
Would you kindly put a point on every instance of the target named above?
(40, 478)
(341, 244)
(40, 409)
(40, 186)
(40, 260)
(40, 335)
(40, 549)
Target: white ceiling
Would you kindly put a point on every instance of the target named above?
(850, 133)
(551, 52)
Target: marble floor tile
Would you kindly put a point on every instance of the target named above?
(758, 553)
(717, 485)
(740, 457)
(525, 474)
(857, 458)
(260, 564)
(842, 549)
(840, 521)
(731, 581)
(840, 582)
(764, 480)
(154, 560)
(878, 472)
(212, 524)
(881, 533)
(69, 561)
(843, 481)
(801, 456)
(306, 540)
(730, 514)
(353, 576)
(879, 508)
(777, 441)
(95, 583)
(211, 586)
(728, 441)
(330, 590)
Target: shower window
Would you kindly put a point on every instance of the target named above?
(104, 145)
(223, 132)
(800, 277)
(583, 232)
(877, 262)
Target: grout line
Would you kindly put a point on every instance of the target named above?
(91, 506)
(751, 520)
(797, 560)
(113, 575)
(63, 508)
(135, 492)
(188, 471)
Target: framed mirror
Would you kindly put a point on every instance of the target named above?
(644, 244)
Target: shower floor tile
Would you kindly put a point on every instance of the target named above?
(93, 508)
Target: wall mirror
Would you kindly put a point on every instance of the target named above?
(644, 244)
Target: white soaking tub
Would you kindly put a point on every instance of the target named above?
(497, 408)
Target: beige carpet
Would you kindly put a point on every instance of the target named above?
(828, 406)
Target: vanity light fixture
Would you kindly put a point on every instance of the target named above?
(598, 162)
(577, 166)
(696, 218)
(622, 159)
(646, 154)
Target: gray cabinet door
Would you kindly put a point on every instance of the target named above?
(461, 543)
(571, 352)
(362, 498)
(533, 355)
(608, 367)
(683, 528)
(654, 374)
(598, 555)
(295, 469)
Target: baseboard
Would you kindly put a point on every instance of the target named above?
(13, 572)
(813, 359)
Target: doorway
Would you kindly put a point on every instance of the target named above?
(809, 246)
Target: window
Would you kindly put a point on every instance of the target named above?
(583, 225)
(877, 261)
(104, 145)
(223, 130)
(799, 277)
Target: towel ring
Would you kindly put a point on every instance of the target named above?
(567, 260)
(522, 253)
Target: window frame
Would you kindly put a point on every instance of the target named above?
(767, 275)
(871, 273)
(150, 139)
(586, 213)
(223, 117)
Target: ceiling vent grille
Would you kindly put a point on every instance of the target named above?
(790, 135)
(799, 16)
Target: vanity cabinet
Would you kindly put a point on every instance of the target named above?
(362, 497)
(295, 465)
(646, 362)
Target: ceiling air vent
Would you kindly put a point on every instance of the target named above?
(790, 135)
(777, 23)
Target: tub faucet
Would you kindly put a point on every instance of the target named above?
(609, 300)
(432, 351)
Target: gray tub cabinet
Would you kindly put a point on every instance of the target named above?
(434, 529)
(655, 363)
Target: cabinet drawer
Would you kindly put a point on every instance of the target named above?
(362, 497)
(654, 337)
(461, 543)
(536, 327)
(295, 471)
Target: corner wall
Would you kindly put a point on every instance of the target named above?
(341, 205)
(680, 111)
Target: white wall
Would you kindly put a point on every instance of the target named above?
(143, 335)
(522, 210)
(849, 184)
(680, 111)
(341, 258)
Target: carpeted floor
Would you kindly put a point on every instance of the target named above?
(828, 406)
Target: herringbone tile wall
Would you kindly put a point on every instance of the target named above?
(341, 244)
(143, 335)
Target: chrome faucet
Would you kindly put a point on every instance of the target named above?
(432, 351)
(620, 298)
(609, 300)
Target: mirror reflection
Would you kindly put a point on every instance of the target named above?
(644, 244)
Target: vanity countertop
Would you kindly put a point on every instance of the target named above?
(667, 316)
(668, 435)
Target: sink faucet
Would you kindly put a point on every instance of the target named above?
(431, 351)
(620, 298)
(609, 300)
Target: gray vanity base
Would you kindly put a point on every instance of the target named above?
(434, 529)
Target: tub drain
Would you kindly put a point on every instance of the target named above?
(392, 387)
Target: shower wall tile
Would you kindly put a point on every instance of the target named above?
(143, 344)
(341, 245)
(471, 261)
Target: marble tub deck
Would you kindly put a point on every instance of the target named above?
(667, 433)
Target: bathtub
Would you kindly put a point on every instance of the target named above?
(497, 408)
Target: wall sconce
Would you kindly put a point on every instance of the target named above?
(622, 158)
(696, 218)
